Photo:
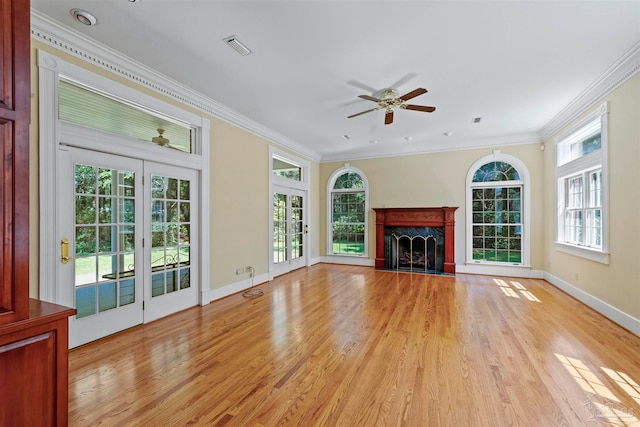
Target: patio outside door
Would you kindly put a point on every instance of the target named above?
(289, 230)
(126, 248)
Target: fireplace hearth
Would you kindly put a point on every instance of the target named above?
(416, 239)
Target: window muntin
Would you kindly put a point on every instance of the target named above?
(86, 107)
(348, 214)
(581, 196)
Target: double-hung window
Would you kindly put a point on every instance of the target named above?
(498, 201)
(581, 174)
(348, 204)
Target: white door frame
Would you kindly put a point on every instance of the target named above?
(51, 132)
(279, 182)
(276, 269)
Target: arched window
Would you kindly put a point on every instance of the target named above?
(497, 222)
(348, 204)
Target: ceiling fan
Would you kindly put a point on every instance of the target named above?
(390, 100)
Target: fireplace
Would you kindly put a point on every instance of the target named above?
(416, 239)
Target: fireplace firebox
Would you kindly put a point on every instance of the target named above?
(416, 239)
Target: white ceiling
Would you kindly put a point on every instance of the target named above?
(516, 64)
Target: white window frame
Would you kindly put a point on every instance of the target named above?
(330, 190)
(525, 210)
(582, 167)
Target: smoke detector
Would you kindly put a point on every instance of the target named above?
(83, 17)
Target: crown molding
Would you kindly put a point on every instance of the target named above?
(61, 37)
(621, 71)
(427, 147)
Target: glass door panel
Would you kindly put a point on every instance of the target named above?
(173, 232)
(101, 230)
(171, 236)
(280, 224)
(289, 230)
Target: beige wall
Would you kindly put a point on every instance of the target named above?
(617, 283)
(240, 197)
(437, 179)
(239, 189)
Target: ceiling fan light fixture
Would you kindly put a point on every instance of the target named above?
(160, 140)
(237, 45)
(83, 17)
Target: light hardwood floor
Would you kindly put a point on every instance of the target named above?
(334, 345)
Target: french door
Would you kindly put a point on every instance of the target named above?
(127, 242)
(289, 230)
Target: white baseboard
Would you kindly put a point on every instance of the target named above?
(348, 260)
(498, 270)
(209, 295)
(621, 318)
(314, 261)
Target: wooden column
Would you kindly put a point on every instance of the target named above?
(418, 217)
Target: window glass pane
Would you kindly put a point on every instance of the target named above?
(89, 108)
(127, 292)
(85, 301)
(348, 239)
(286, 169)
(106, 296)
(493, 240)
(583, 141)
(349, 180)
(595, 189)
(348, 207)
(496, 171)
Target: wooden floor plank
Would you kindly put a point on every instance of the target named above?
(334, 345)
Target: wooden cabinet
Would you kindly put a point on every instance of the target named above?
(34, 367)
(14, 168)
(33, 334)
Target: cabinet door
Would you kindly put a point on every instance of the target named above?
(14, 164)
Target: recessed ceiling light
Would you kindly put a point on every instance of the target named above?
(448, 133)
(237, 45)
(408, 138)
(373, 141)
(345, 136)
(476, 120)
(83, 17)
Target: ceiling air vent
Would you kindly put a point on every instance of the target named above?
(237, 45)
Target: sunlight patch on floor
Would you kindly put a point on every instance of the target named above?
(601, 402)
(510, 290)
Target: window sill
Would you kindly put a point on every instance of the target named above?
(583, 252)
(350, 255)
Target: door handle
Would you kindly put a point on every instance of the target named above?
(64, 250)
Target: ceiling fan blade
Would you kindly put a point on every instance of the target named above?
(419, 108)
(363, 112)
(413, 94)
(388, 118)
(369, 98)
